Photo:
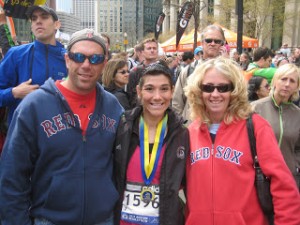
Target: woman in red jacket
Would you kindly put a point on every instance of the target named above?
(220, 174)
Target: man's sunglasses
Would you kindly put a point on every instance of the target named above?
(208, 88)
(216, 41)
(93, 59)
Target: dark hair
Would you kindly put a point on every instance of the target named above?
(262, 52)
(155, 69)
(187, 55)
(253, 86)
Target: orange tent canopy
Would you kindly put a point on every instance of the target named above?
(231, 38)
(187, 41)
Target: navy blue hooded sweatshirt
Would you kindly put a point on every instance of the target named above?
(49, 170)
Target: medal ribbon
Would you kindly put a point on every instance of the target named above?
(149, 167)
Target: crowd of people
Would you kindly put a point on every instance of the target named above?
(97, 138)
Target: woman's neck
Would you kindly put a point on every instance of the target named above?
(279, 100)
(152, 124)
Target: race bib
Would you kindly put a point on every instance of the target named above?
(141, 204)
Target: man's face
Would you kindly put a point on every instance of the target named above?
(150, 52)
(44, 27)
(212, 50)
(83, 77)
(267, 62)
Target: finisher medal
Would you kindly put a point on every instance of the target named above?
(147, 195)
(149, 163)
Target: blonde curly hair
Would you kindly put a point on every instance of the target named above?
(239, 106)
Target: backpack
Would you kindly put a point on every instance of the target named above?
(191, 69)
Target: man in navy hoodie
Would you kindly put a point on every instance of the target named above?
(56, 164)
(24, 68)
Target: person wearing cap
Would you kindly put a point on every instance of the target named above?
(56, 165)
(26, 67)
(198, 53)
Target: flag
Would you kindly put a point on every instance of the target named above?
(184, 16)
(159, 21)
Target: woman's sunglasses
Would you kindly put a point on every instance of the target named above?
(93, 59)
(208, 88)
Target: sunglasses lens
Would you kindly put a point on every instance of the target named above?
(93, 59)
(216, 41)
(224, 88)
(77, 57)
(96, 59)
(207, 88)
(221, 88)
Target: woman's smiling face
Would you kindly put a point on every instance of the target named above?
(155, 95)
(216, 102)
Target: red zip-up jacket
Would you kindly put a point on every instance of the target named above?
(220, 177)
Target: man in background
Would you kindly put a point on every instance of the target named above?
(150, 55)
(213, 40)
(26, 67)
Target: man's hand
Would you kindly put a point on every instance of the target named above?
(24, 89)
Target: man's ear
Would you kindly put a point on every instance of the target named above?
(67, 59)
(57, 24)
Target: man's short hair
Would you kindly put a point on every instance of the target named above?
(149, 40)
(262, 52)
(187, 55)
(213, 27)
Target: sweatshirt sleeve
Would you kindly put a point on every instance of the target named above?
(286, 198)
(8, 79)
(16, 164)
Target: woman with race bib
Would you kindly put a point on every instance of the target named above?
(150, 155)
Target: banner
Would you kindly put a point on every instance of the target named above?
(17, 9)
(184, 16)
(159, 21)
